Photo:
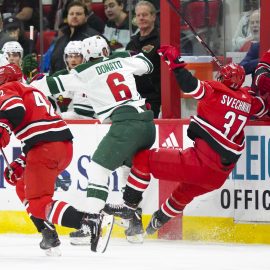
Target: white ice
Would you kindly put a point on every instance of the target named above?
(22, 252)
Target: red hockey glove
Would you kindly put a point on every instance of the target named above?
(17, 167)
(171, 56)
(5, 133)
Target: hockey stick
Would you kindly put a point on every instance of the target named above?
(31, 48)
(6, 160)
(197, 36)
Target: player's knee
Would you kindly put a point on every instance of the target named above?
(141, 161)
(37, 206)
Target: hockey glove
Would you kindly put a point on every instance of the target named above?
(263, 83)
(5, 133)
(30, 65)
(171, 56)
(17, 166)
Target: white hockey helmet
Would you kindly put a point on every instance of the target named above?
(73, 47)
(95, 47)
(12, 47)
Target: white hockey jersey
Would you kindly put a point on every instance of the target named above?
(109, 82)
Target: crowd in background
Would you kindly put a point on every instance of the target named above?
(125, 28)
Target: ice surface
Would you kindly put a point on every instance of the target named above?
(22, 252)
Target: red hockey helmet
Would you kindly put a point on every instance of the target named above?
(10, 73)
(232, 75)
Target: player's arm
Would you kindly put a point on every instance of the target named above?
(141, 64)
(259, 105)
(187, 82)
(262, 75)
(50, 85)
(12, 112)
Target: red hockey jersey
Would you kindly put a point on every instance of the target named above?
(31, 116)
(222, 115)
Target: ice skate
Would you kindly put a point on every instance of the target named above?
(80, 238)
(124, 210)
(50, 241)
(99, 227)
(135, 232)
(157, 221)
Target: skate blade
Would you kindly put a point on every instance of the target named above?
(80, 241)
(53, 252)
(136, 239)
(106, 229)
(124, 223)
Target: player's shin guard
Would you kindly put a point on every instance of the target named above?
(138, 179)
(97, 190)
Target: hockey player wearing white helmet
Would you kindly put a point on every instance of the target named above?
(13, 52)
(94, 48)
(73, 54)
(73, 105)
(109, 82)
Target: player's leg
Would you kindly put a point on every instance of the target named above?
(38, 222)
(124, 138)
(44, 163)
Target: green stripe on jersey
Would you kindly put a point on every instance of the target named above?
(52, 85)
(149, 64)
(85, 66)
(97, 191)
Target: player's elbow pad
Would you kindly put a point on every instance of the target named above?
(15, 116)
(186, 80)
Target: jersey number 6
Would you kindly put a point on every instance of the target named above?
(119, 90)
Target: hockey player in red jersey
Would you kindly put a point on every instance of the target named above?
(47, 151)
(261, 81)
(218, 135)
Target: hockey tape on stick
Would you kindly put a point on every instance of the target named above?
(197, 36)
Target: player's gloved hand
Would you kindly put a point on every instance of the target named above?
(37, 77)
(5, 133)
(30, 65)
(171, 56)
(17, 167)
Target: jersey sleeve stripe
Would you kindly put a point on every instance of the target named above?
(263, 110)
(52, 85)
(148, 63)
(13, 106)
(199, 92)
(11, 100)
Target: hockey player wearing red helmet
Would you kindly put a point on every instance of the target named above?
(218, 135)
(47, 151)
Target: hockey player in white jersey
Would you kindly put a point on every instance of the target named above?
(109, 82)
(73, 105)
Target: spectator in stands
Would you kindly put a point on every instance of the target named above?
(117, 27)
(93, 19)
(251, 59)
(243, 30)
(254, 25)
(13, 28)
(76, 29)
(25, 10)
(4, 37)
(147, 41)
